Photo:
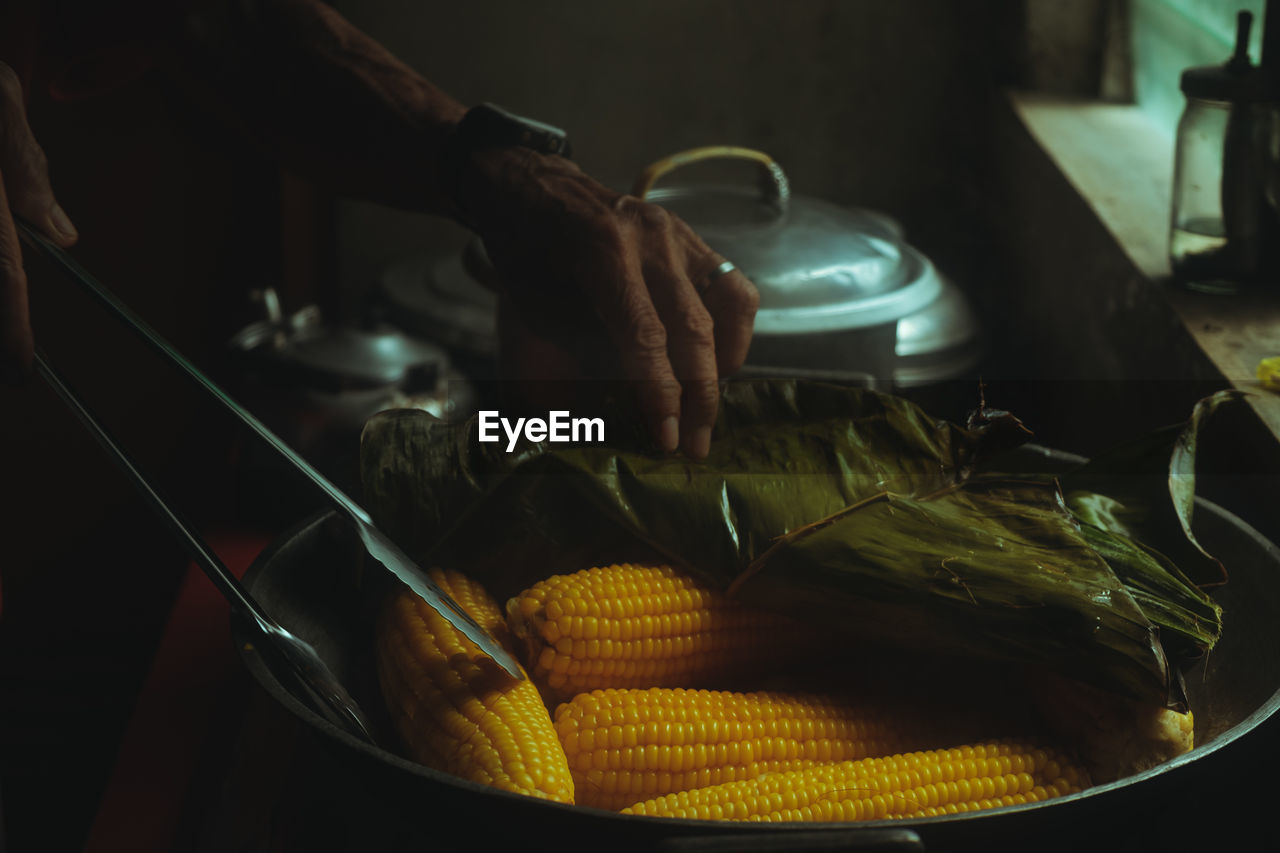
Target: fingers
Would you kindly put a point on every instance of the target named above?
(676, 325)
(732, 300)
(640, 340)
(25, 168)
(15, 319)
(691, 350)
(25, 191)
(715, 314)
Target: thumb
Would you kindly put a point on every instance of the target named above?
(25, 167)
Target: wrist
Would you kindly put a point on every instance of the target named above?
(479, 179)
(497, 186)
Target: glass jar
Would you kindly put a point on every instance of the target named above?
(1198, 242)
(1217, 188)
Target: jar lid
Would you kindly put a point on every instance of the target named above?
(1234, 81)
(1221, 83)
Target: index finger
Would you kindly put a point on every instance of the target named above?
(640, 340)
(16, 342)
(732, 300)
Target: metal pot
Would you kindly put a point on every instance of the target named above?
(440, 297)
(840, 288)
(305, 579)
(316, 386)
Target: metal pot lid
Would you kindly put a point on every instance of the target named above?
(367, 358)
(300, 348)
(819, 267)
(441, 298)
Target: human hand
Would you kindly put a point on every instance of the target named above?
(621, 286)
(25, 191)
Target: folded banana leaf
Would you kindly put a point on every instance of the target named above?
(784, 454)
(851, 507)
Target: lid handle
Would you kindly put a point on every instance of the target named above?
(1240, 59)
(774, 186)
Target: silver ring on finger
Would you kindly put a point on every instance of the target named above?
(724, 268)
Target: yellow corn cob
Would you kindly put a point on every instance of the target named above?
(629, 745)
(456, 710)
(1114, 736)
(919, 784)
(642, 626)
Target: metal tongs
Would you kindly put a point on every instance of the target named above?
(326, 694)
(291, 658)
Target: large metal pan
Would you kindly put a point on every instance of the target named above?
(1207, 796)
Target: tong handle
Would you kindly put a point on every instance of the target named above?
(54, 253)
(301, 662)
(221, 576)
(376, 544)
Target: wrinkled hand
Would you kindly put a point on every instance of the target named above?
(25, 191)
(623, 287)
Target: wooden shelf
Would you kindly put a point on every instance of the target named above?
(1121, 165)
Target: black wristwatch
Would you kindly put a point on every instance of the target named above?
(489, 126)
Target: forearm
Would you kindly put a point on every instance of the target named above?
(333, 103)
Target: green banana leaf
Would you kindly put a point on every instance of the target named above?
(992, 568)
(783, 455)
(1144, 489)
(1188, 619)
(848, 506)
